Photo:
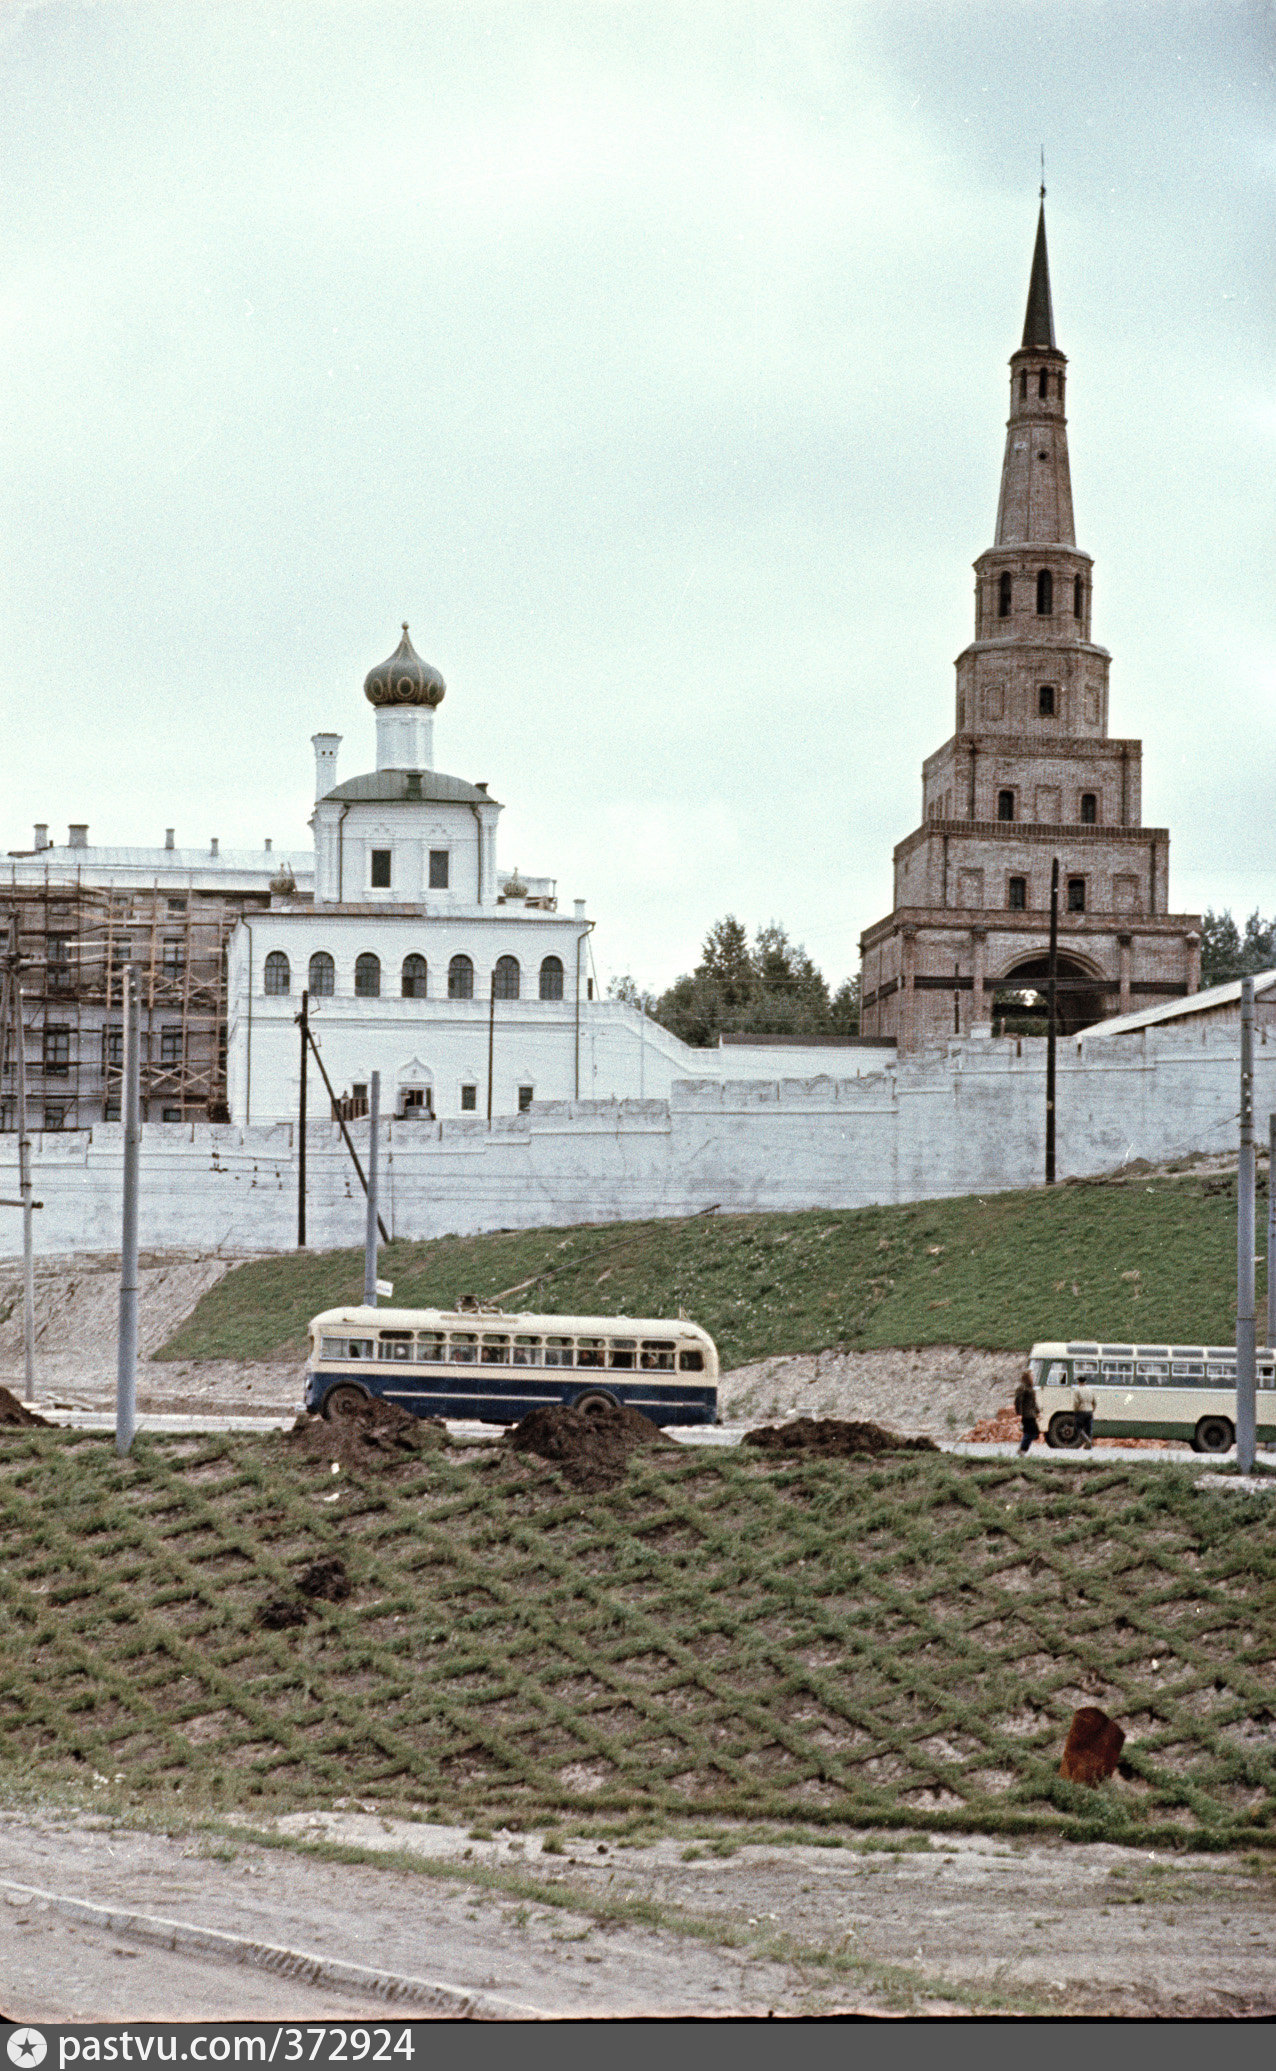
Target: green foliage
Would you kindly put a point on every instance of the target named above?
(770, 988)
(1226, 953)
(1151, 1258)
(898, 1643)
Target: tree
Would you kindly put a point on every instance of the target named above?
(1227, 954)
(771, 987)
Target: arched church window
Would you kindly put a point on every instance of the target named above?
(367, 976)
(414, 976)
(505, 978)
(1078, 597)
(1004, 593)
(1043, 383)
(552, 978)
(460, 979)
(323, 975)
(1045, 700)
(1045, 593)
(278, 976)
(1005, 805)
(1089, 809)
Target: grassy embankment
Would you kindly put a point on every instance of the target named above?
(1150, 1258)
(898, 1643)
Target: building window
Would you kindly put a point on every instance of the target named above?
(171, 1044)
(177, 905)
(414, 976)
(55, 1114)
(524, 1098)
(174, 955)
(438, 870)
(552, 978)
(111, 1111)
(380, 870)
(1089, 809)
(460, 979)
(58, 960)
(1045, 700)
(1043, 383)
(323, 975)
(1017, 895)
(469, 1099)
(170, 1114)
(367, 977)
(1078, 597)
(1045, 593)
(112, 1047)
(1023, 384)
(278, 975)
(1005, 805)
(1005, 590)
(418, 1100)
(57, 1053)
(505, 978)
(1076, 895)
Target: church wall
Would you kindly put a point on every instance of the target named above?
(967, 1119)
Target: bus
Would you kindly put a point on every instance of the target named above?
(1186, 1392)
(481, 1363)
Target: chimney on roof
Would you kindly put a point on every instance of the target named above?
(325, 746)
(41, 835)
(77, 836)
(267, 844)
(480, 787)
(213, 845)
(580, 909)
(169, 832)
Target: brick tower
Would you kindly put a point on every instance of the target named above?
(1029, 774)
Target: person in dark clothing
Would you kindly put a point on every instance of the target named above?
(1027, 1409)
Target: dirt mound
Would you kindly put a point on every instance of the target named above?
(326, 1578)
(834, 1437)
(279, 1612)
(1006, 1428)
(1093, 1747)
(592, 1447)
(14, 1412)
(375, 1437)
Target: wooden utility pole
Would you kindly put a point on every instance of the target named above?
(126, 1344)
(491, 1045)
(373, 1220)
(1246, 1406)
(1052, 979)
(14, 1016)
(303, 1022)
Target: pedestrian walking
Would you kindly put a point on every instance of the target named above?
(1083, 1411)
(1027, 1409)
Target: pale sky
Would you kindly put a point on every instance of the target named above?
(650, 360)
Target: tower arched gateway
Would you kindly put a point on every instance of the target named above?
(1030, 774)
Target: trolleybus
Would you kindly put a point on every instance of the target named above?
(1186, 1392)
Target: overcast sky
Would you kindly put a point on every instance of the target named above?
(650, 360)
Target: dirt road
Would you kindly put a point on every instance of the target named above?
(949, 1923)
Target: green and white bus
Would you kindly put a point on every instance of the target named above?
(1186, 1392)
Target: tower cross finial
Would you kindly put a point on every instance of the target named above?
(1043, 172)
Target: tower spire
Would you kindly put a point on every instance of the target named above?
(1038, 323)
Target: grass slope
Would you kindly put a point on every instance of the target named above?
(1152, 1259)
(890, 1643)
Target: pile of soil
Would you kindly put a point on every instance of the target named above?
(378, 1437)
(837, 1438)
(13, 1412)
(279, 1612)
(326, 1578)
(1005, 1428)
(1093, 1747)
(590, 1447)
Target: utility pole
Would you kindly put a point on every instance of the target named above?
(126, 1343)
(1245, 1402)
(491, 1046)
(340, 1121)
(1271, 1233)
(12, 1012)
(303, 1022)
(1052, 979)
(370, 1235)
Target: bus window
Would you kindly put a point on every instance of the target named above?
(657, 1355)
(691, 1362)
(462, 1348)
(1058, 1374)
(359, 1348)
(1217, 1371)
(622, 1352)
(591, 1352)
(1152, 1372)
(1117, 1373)
(496, 1351)
(394, 1344)
(1266, 1377)
(431, 1345)
(1188, 1369)
(558, 1351)
(333, 1348)
(526, 1352)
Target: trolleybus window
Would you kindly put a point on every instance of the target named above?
(623, 1352)
(394, 1344)
(496, 1350)
(463, 1348)
(558, 1351)
(527, 1352)
(431, 1344)
(591, 1352)
(691, 1362)
(657, 1355)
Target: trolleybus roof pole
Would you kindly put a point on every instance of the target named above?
(1245, 1403)
(1052, 974)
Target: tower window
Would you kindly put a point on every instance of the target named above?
(1076, 895)
(1043, 383)
(1045, 593)
(469, 1099)
(525, 1094)
(1023, 385)
(278, 975)
(367, 976)
(438, 870)
(1017, 894)
(505, 978)
(413, 978)
(1089, 809)
(1004, 591)
(1045, 700)
(552, 978)
(1078, 597)
(380, 870)
(460, 979)
(1005, 805)
(322, 975)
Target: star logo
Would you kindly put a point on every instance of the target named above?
(27, 2047)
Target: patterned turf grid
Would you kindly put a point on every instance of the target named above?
(903, 1641)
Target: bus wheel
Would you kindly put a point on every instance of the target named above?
(342, 1402)
(1214, 1435)
(595, 1404)
(1063, 1430)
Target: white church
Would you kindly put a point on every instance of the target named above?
(459, 981)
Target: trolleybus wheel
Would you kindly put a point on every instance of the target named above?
(1214, 1435)
(595, 1404)
(344, 1401)
(1063, 1429)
